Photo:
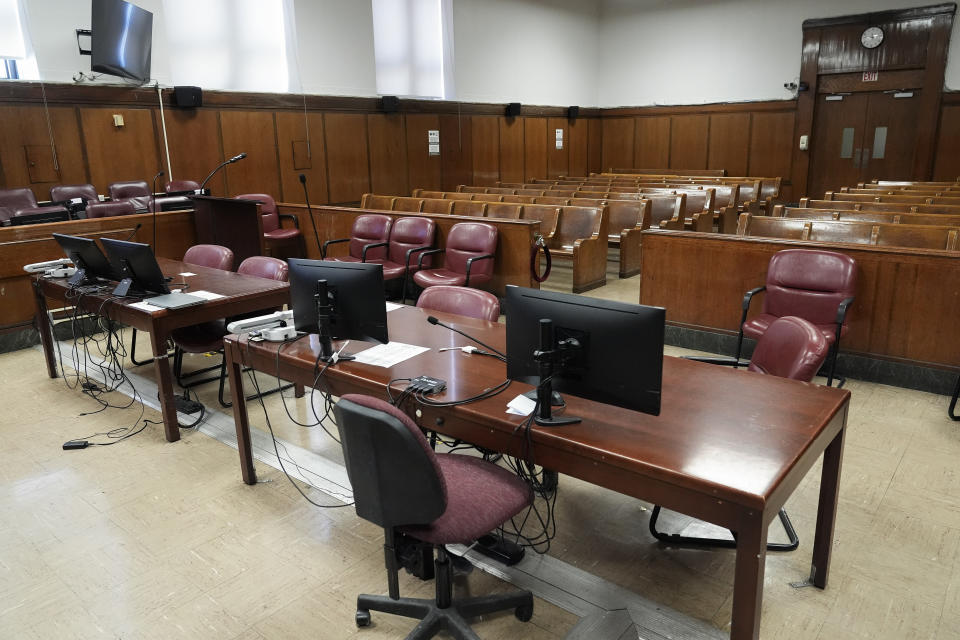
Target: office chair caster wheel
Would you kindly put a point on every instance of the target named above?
(524, 613)
(363, 618)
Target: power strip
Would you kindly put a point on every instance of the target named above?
(61, 272)
(279, 334)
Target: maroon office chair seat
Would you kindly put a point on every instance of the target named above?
(109, 209)
(210, 255)
(167, 203)
(276, 236)
(64, 192)
(131, 189)
(468, 257)
(368, 239)
(180, 185)
(402, 485)
(464, 301)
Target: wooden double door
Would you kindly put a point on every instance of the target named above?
(858, 137)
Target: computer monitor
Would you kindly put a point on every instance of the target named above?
(122, 39)
(87, 257)
(610, 352)
(341, 300)
(136, 264)
(55, 214)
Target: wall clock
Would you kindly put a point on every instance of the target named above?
(871, 37)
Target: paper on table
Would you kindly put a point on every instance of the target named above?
(521, 406)
(187, 274)
(393, 306)
(145, 306)
(206, 295)
(388, 355)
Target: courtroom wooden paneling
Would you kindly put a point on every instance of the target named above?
(729, 143)
(24, 138)
(253, 132)
(193, 136)
(771, 148)
(485, 144)
(652, 142)
(688, 141)
(618, 134)
(581, 145)
(905, 297)
(424, 171)
(348, 164)
(946, 166)
(119, 153)
(534, 148)
(558, 160)
(456, 150)
(511, 148)
(388, 148)
(296, 156)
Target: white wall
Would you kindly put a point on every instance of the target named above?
(692, 52)
(535, 51)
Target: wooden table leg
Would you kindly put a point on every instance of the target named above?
(297, 390)
(827, 510)
(161, 364)
(42, 320)
(240, 419)
(748, 578)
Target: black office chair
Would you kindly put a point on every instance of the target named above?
(400, 484)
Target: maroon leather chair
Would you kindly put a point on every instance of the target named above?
(400, 484)
(793, 348)
(135, 191)
(408, 237)
(275, 236)
(64, 192)
(15, 202)
(465, 301)
(816, 285)
(108, 209)
(180, 185)
(467, 243)
(369, 235)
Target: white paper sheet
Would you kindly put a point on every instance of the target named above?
(187, 274)
(393, 306)
(521, 406)
(145, 306)
(206, 295)
(390, 354)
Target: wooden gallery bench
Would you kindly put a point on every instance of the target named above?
(875, 233)
(890, 217)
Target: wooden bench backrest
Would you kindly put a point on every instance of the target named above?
(524, 199)
(576, 223)
(465, 188)
(892, 235)
(379, 203)
(457, 195)
(438, 205)
(560, 200)
(841, 231)
(918, 236)
(501, 190)
(412, 205)
(698, 200)
(469, 208)
(886, 217)
(505, 210)
(666, 207)
(423, 193)
(626, 215)
(725, 196)
(487, 197)
(770, 227)
(530, 192)
(591, 202)
(546, 214)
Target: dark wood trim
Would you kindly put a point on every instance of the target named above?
(894, 15)
(852, 82)
(928, 113)
(806, 102)
(717, 107)
(950, 98)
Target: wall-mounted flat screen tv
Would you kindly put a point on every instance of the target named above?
(121, 40)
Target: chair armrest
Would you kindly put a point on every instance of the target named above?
(842, 312)
(470, 261)
(323, 250)
(702, 222)
(412, 251)
(296, 221)
(748, 296)
(674, 224)
(372, 245)
(425, 254)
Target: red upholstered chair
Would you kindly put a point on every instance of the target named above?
(408, 237)
(14, 202)
(816, 285)
(275, 235)
(108, 209)
(175, 186)
(793, 348)
(368, 237)
(467, 243)
(135, 191)
(465, 301)
(400, 484)
(64, 192)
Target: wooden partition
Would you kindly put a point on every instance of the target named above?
(35, 243)
(515, 237)
(906, 298)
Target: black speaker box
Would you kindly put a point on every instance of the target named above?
(573, 113)
(188, 96)
(390, 104)
(513, 109)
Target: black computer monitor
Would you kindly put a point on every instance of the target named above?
(87, 257)
(55, 214)
(610, 352)
(135, 263)
(338, 300)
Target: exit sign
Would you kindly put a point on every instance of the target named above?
(871, 76)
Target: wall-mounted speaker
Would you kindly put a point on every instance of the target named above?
(513, 109)
(390, 104)
(573, 113)
(188, 96)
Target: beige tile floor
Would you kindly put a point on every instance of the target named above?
(147, 539)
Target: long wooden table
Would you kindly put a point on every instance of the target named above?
(729, 446)
(241, 294)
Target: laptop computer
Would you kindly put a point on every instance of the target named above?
(175, 300)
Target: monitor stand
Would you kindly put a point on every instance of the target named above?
(550, 358)
(324, 313)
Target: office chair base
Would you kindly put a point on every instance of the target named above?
(453, 619)
(677, 539)
(953, 402)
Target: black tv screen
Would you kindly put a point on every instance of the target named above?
(121, 39)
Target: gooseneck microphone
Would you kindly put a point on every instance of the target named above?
(303, 181)
(134, 232)
(433, 320)
(153, 206)
(239, 156)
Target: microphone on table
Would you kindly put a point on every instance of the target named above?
(134, 232)
(153, 206)
(303, 181)
(433, 320)
(239, 156)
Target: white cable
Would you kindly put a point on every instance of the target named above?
(163, 125)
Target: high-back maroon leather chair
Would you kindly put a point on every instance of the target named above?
(15, 202)
(276, 237)
(175, 186)
(816, 285)
(465, 301)
(793, 348)
(408, 238)
(369, 234)
(468, 257)
(400, 484)
(210, 255)
(64, 192)
(129, 189)
(108, 209)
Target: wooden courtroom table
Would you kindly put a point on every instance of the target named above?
(729, 446)
(241, 294)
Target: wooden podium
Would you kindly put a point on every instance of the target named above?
(228, 222)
